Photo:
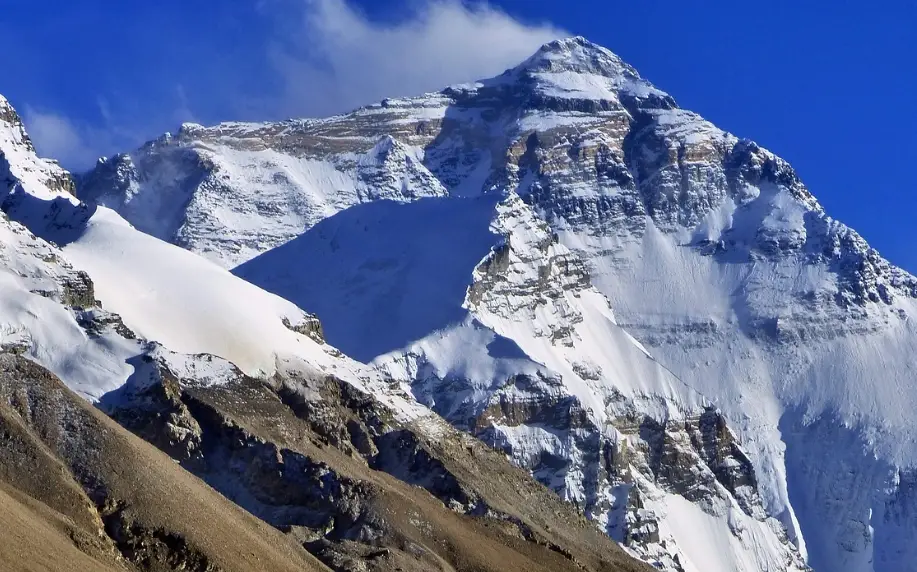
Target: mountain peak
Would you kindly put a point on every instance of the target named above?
(577, 54)
(13, 122)
(577, 69)
(20, 166)
(5, 104)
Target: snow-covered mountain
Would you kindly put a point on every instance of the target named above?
(653, 316)
(471, 241)
(468, 240)
(240, 392)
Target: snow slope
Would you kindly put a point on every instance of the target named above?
(406, 271)
(42, 296)
(167, 294)
(35, 320)
(160, 302)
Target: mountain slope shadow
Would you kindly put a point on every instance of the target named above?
(57, 220)
(382, 274)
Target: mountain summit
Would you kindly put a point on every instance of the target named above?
(578, 55)
(577, 68)
(652, 317)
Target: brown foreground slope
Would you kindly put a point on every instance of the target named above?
(35, 537)
(80, 493)
(321, 462)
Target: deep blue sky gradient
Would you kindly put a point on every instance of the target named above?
(829, 85)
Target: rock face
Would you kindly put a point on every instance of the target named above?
(336, 470)
(111, 501)
(193, 201)
(329, 467)
(18, 162)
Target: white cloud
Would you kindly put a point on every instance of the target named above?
(324, 57)
(78, 145)
(56, 136)
(338, 59)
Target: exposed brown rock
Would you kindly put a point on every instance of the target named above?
(329, 465)
(70, 473)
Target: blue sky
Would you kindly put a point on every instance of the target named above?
(830, 86)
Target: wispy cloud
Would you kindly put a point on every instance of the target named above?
(57, 136)
(77, 144)
(334, 58)
(317, 57)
